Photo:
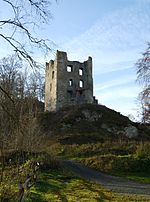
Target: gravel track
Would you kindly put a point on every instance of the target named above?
(116, 184)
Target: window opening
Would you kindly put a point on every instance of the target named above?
(81, 84)
(70, 82)
(80, 71)
(80, 92)
(70, 94)
(69, 68)
(52, 74)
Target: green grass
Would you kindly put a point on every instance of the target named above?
(62, 185)
(141, 177)
(58, 185)
(113, 157)
(125, 167)
(74, 135)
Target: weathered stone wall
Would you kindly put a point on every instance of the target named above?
(67, 82)
(50, 85)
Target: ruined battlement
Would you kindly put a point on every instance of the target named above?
(67, 82)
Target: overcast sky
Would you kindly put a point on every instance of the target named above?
(114, 33)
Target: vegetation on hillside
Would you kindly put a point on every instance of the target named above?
(98, 140)
(88, 119)
(88, 134)
(52, 181)
(119, 157)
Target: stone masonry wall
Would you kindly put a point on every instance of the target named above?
(67, 82)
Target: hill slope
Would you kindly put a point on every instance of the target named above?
(97, 120)
(100, 138)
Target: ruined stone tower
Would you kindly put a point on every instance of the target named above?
(67, 82)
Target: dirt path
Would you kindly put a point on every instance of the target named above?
(116, 184)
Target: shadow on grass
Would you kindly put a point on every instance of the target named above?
(50, 184)
(34, 197)
(44, 186)
(102, 197)
(65, 187)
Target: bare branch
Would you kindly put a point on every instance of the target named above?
(1, 89)
(24, 12)
(143, 77)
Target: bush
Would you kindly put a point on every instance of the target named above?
(143, 151)
(117, 164)
(48, 162)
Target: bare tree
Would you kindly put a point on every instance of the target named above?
(18, 105)
(19, 97)
(16, 100)
(25, 16)
(143, 77)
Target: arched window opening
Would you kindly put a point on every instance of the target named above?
(69, 68)
(52, 74)
(70, 82)
(81, 84)
(80, 71)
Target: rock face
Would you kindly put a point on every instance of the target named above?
(91, 116)
(131, 131)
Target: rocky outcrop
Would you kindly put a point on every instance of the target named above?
(91, 116)
(87, 119)
(131, 131)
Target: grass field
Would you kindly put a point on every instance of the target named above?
(129, 159)
(56, 183)
(64, 186)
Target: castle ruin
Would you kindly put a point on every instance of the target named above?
(68, 83)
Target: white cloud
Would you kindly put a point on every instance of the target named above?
(122, 30)
(125, 108)
(114, 83)
(117, 93)
(115, 43)
(121, 99)
(109, 67)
